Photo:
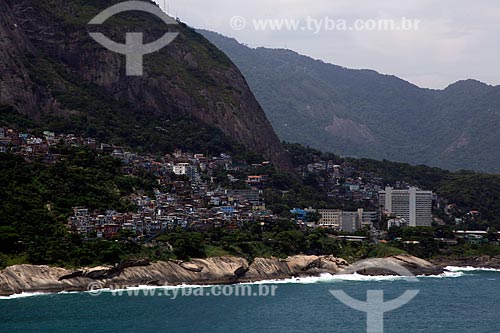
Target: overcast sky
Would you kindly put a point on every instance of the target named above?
(456, 39)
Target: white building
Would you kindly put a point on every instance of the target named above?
(397, 222)
(341, 220)
(330, 218)
(182, 169)
(413, 205)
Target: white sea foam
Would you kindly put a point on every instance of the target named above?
(68, 292)
(22, 295)
(297, 280)
(470, 269)
(323, 278)
(451, 272)
(146, 287)
(448, 274)
(330, 278)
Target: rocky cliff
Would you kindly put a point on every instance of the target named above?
(49, 63)
(223, 270)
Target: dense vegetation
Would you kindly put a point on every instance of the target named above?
(472, 191)
(466, 189)
(280, 240)
(423, 242)
(38, 198)
(362, 113)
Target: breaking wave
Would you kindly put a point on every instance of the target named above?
(470, 269)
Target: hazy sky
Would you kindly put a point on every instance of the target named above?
(456, 39)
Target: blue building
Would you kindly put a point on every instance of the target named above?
(301, 214)
(227, 209)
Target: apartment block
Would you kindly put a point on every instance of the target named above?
(413, 205)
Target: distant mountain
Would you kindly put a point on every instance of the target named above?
(191, 96)
(361, 113)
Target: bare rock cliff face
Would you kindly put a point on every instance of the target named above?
(188, 77)
(16, 87)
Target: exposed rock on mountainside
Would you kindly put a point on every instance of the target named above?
(50, 66)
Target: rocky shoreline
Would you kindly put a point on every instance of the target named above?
(221, 270)
(476, 262)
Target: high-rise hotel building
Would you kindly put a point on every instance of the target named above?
(412, 204)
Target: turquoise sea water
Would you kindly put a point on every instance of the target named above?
(457, 302)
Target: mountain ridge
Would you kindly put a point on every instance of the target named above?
(367, 70)
(450, 128)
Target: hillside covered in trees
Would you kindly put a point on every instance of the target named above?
(361, 113)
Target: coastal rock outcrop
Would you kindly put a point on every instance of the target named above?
(220, 270)
(404, 265)
(417, 266)
(476, 262)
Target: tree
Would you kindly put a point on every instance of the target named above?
(313, 217)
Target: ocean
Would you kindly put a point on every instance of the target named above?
(464, 300)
